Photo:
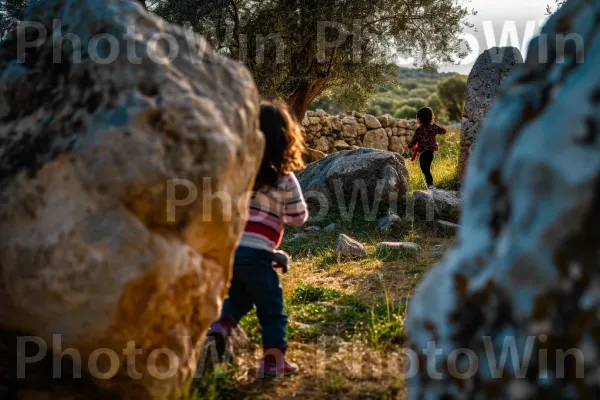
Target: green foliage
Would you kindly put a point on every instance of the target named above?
(420, 92)
(452, 92)
(305, 294)
(438, 107)
(218, 384)
(304, 57)
(406, 112)
(416, 88)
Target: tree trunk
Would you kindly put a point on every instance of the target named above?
(305, 93)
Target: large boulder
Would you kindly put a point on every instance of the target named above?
(522, 288)
(379, 176)
(483, 87)
(103, 240)
(437, 204)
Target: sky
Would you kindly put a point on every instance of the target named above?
(518, 19)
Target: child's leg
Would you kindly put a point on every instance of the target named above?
(425, 161)
(268, 297)
(239, 300)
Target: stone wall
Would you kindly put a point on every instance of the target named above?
(328, 133)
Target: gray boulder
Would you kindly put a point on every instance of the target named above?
(350, 248)
(437, 204)
(380, 176)
(483, 87)
(525, 275)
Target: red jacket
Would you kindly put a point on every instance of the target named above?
(425, 137)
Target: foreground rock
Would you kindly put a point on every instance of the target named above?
(93, 244)
(350, 248)
(483, 87)
(526, 273)
(437, 204)
(333, 182)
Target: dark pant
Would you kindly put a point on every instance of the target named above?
(255, 283)
(425, 161)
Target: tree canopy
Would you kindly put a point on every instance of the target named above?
(452, 93)
(301, 49)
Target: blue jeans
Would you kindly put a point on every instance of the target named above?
(255, 283)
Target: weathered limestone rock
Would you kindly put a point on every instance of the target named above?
(526, 272)
(397, 144)
(376, 139)
(93, 245)
(313, 155)
(350, 248)
(398, 247)
(483, 87)
(322, 144)
(341, 145)
(437, 204)
(338, 178)
(371, 122)
(387, 223)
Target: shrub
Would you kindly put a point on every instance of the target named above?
(406, 112)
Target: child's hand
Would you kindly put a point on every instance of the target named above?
(281, 260)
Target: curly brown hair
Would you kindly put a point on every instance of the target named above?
(284, 143)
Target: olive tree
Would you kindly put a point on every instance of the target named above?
(301, 49)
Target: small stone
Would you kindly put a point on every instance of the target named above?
(388, 222)
(436, 254)
(341, 145)
(398, 246)
(312, 229)
(296, 236)
(371, 122)
(329, 228)
(348, 247)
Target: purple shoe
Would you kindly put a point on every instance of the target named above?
(219, 335)
(274, 364)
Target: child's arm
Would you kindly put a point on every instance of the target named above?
(415, 139)
(440, 130)
(281, 260)
(295, 211)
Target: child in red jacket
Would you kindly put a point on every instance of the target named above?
(424, 141)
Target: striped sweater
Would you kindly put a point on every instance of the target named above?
(271, 209)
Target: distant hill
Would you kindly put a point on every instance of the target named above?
(414, 90)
